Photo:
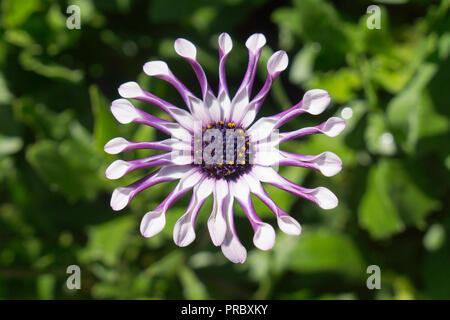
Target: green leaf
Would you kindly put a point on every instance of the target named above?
(377, 212)
(193, 288)
(392, 200)
(342, 84)
(378, 139)
(105, 128)
(327, 251)
(108, 241)
(16, 12)
(303, 64)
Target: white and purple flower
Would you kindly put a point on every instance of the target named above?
(250, 154)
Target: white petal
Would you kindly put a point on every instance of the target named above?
(130, 90)
(217, 225)
(174, 172)
(233, 250)
(213, 106)
(329, 163)
(225, 105)
(116, 145)
(239, 105)
(264, 238)
(156, 68)
(199, 110)
(266, 174)
(277, 62)
(231, 247)
(333, 126)
(268, 156)
(185, 48)
(120, 198)
(289, 225)
(124, 111)
(225, 43)
(117, 169)
(250, 115)
(315, 101)
(152, 223)
(325, 198)
(183, 232)
(261, 129)
(255, 42)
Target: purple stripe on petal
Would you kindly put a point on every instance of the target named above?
(332, 128)
(132, 90)
(184, 231)
(320, 195)
(160, 70)
(254, 43)
(264, 238)
(187, 50)
(225, 46)
(327, 162)
(286, 223)
(123, 195)
(231, 247)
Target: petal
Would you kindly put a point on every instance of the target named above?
(239, 105)
(328, 163)
(200, 112)
(285, 222)
(124, 111)
(277, 63)
(213, 106)
(117, 169)
(321, 195)
(289, 225)
(225, 46)
(254, 43)
(332, 128)
(187, 50)
(160, 70)
(123, 195)
(132, 90)
(184, 232)
(119, 144)
(315, 101)
(217, 224)
(152, 223)
(231, 247)
(116, 145)
(264, 237)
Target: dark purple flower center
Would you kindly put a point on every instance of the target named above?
(223, 152)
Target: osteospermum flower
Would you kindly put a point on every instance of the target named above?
(229, 163)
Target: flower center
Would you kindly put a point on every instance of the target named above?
(223, 151)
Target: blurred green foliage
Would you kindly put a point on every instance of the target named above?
(55, 89)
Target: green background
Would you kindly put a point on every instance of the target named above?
(56, 86)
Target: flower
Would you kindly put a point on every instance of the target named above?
(249, 149)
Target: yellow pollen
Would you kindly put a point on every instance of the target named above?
(209, 127)
(221, 122)
(228, 172)
(230, 162)
(243, 162)
(243, 148)
(240, 155)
